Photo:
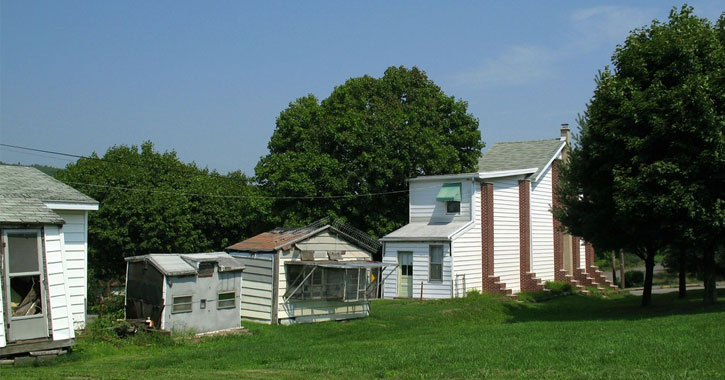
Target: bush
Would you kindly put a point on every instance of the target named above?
(473, 293)
(113, 307)
(633, 278)
(558, 287)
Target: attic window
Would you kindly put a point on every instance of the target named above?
(206, 269)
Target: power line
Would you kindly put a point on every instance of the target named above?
(347, 196)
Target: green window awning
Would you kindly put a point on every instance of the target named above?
(450, 192)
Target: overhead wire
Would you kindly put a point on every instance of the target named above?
(148, 190)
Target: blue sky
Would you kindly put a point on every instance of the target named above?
(208, 79)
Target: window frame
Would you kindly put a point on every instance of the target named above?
(431, 263)
(219, 301)
(174, 304)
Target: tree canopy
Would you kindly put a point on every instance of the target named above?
(648, 169)
(366, 138)
(151, 202)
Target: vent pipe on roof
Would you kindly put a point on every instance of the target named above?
(565, 136)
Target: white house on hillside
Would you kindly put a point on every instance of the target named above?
(491, 230)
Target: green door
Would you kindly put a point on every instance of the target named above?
(405, 274)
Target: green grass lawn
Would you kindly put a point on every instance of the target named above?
(574, 337)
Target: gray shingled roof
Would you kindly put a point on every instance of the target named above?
(30, 182)
(425, 231)
(520, 155)
(27, 211)
(23, 191)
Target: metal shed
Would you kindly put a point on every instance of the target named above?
(200, 292)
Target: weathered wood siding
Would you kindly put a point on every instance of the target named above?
(421, 261)
(506, 231)
(257, 286)
(55, 270)
(466, 253)
(423, 206)
(319, 310)
(542, 228)
(75, 232)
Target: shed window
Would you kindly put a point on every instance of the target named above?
(322, 283)
(181, 304)
(206, 269)
(225, 300)
(436, 263)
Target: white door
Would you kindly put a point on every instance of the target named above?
(25, 291)
(405, 274)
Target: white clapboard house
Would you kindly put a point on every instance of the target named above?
(491, 230)
(320, 272)
(43, 227)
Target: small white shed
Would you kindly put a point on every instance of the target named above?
(197, 292)
(320, 272)
(43, 281)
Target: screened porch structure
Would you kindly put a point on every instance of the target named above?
(350, 281)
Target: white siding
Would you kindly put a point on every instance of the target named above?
(319, 310)
(582, 254)
(506, 231)
(75, 232)
(423, 206)
(3, 341)
(60, 318)
(542, 228)
(467, 252)
(421, 257)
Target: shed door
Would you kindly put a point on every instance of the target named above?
(25, 291)
(405, 274)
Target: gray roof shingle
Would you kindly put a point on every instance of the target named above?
(23, 191)
(520, 155)
(30, 182)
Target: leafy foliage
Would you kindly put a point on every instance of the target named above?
(368, 136)
(151, 202)
(648, 171)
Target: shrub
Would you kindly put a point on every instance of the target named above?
(557, 287)
(633, 278)
(113, 307)
(473, 293)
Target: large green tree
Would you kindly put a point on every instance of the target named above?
(366, 138)
(151, 202)
(648, 170)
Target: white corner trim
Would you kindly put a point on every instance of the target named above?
(71, 206)
(506, 173)
(543, 170)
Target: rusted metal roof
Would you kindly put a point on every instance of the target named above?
(273, 240)
(280, 238)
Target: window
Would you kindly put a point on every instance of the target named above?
(453, 207)
(181, 304)
(225, 300)
(206, 269)
(436, 263)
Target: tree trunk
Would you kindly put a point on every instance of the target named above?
(683, 274)
(621, 267)
(614, 267)
(649, 264)
(710, 295)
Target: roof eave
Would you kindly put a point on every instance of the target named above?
(556, 154)
(506, 173)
